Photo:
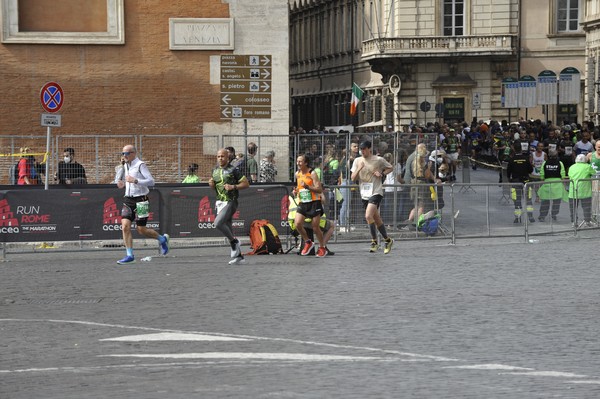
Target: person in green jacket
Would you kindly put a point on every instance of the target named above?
(552, 173)
(581, 191)
(192, 176)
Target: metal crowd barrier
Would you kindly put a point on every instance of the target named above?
(480, 211)
(472, 210)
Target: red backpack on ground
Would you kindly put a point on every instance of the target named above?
(264, 238)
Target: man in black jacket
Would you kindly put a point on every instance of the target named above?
(518, 171)
(69, 170)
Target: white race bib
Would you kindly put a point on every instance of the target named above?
(220, 205)
(366, 190)
(142, 209)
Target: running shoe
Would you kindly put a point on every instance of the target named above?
(321, 252)
(164, 247)
(125, 260)
(388, 245)
(237, 260)
(236, 250)
(329, 252)
(307, 247)
(374, 246)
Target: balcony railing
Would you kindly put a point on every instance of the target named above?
(439, 46)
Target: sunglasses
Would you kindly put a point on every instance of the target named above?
(125, 153)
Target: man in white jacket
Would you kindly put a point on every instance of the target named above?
(135, 177)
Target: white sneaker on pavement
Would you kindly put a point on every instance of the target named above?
(237, 260)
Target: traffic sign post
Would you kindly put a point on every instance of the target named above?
(52, 99)
(476, 102)
(246, 86)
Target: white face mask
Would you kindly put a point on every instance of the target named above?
(67, 159)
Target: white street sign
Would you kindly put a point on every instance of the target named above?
(51, 120)
(476, 100)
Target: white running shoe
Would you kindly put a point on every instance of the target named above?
(236, 249)
(237, 260)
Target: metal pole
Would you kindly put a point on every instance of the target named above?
(48, 134)
(245, 135)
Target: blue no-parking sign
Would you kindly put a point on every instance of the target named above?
(52, 97)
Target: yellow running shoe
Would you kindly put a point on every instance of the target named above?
(388, 245)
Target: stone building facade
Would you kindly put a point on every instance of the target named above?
(450, 56)
(591, 26)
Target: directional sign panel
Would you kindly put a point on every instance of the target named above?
(245, 112)
(251, 73)
(246, 86)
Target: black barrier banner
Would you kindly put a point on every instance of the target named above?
(95, 213)
(67, 215)
(191, 211)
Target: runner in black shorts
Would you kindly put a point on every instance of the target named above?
(135, 178)
(309, 190)
(375, 200)
(311, 209)
(129, 210)
(370, 170)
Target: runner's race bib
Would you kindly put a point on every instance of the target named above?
(142, 209)
(305, 195)
(366, 190)
(220, 205)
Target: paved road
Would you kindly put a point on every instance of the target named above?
(480, 319)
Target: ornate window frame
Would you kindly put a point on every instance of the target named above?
(115, 33)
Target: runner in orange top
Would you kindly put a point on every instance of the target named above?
(309, 191)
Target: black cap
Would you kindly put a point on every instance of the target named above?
(365, 144)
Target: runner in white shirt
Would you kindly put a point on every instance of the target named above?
(370, 170)
(135, 177)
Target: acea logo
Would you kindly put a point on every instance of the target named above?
(111, 217)
(24, 219)
(283, 210)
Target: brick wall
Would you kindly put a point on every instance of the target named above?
(141, 87)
